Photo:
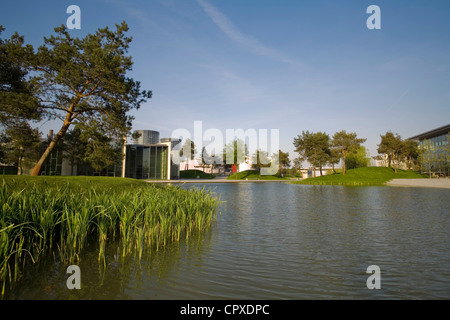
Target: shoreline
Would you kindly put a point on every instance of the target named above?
(215, 181)
(418, 183)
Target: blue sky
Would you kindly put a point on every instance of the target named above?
(287, 65)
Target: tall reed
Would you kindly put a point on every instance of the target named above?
(38, 219)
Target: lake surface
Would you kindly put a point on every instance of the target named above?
(282, 241)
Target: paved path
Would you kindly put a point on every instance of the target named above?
(430, 183)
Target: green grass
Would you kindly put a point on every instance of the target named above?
(76, 183)
(370, 176)
(62, 215)
(254, 174)
(193, 174)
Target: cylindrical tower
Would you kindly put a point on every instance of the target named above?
(147, 137)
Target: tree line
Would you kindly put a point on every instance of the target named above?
(320, 150)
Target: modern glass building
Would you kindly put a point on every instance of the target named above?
(150, 159)
(147, 161)
(174, 167)
(435, 146)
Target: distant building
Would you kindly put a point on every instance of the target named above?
(151, 158)
(148, 161)
(147, 137)
(435, 149)
(174, 168)
(145, 158)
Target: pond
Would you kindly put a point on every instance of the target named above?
(281, 241)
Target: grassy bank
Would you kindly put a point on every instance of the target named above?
(371, 176)
(253, 174)
(62, 215)
(193, 174)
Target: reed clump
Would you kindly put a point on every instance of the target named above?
(37, 219)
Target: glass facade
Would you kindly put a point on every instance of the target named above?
(147, 162)
(436, 153)
(53, 164)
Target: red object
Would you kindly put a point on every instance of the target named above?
(234, 168)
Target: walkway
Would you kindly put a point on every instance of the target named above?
(429, 183)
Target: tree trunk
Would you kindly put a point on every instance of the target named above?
(38, 167)
(19, 166)
(395, 165)
(343, 159)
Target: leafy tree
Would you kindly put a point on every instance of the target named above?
(346, 143)
(298, 163)
(16, 100)
(357, 159)
(283, 161)
(392, 145)
(21, 144)
(411, 153)
(188, 151)
(74, 148)
(260, 159)
(80, 81)
(335, 158)
(205, 159)
(100, 150)
(235, 153)
(314, 148)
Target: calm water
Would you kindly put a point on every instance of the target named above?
(281, 241)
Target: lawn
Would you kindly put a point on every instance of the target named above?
(193, 174)
(370, 176)
(254, 174)
(76, 183)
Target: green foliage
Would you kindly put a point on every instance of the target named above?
(193, 174)
(188, 150)
(345, 143)
(357, 159)
(254, 175)
(260, 159)
(61, 216)
(16, 94)
(100, 149)
(80, 81)
(284, 162)
(20, 144)
(235, 152)
(313, 147)
(411, 153)
(370, 176)
(392, 145)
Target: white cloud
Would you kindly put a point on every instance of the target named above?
(250, 43)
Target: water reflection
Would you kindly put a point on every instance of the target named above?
(280, 241)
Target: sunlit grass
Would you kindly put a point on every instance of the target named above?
(370, 176)
(193, 174)
(59, 214)
(254, 174)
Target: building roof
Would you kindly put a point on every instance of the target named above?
(432, 133)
